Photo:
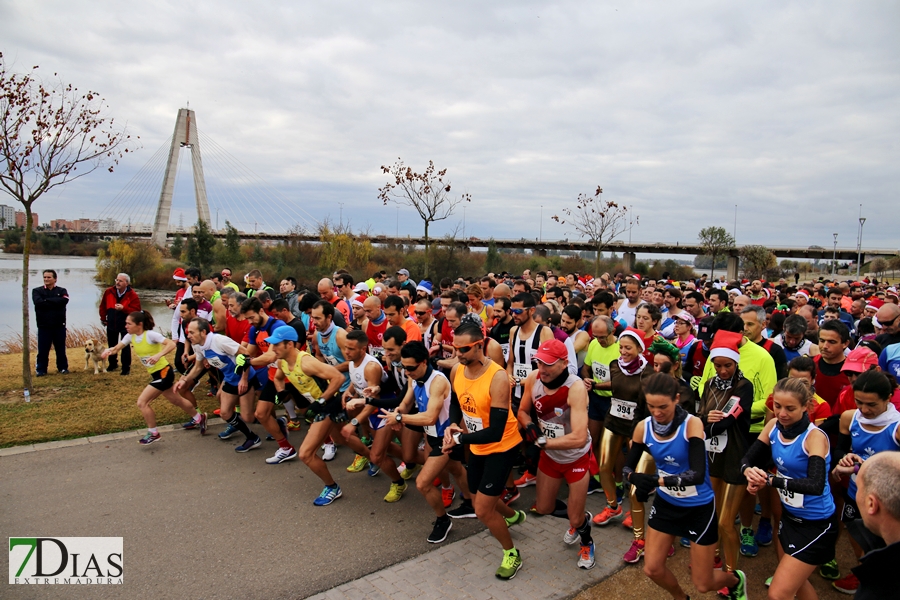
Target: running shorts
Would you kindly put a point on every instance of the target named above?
(488, 472)
(598, 406)
(573, 471)
(809, 541)
(436, 444)
(162, 379)
(696, 523)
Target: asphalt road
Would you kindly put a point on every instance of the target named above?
(201, 521)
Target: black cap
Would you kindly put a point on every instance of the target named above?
(705, 329)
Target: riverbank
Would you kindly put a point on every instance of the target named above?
(79, 404)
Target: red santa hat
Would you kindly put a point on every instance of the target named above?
(726, 344)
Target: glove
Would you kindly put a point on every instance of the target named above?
(531, 433)
(643, 485)
(240, 362)
(695, 382)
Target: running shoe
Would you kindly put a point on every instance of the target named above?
(282, 426)
(847, 585)
(436, 482)
(229, 431)
(447, 496)
(594, 486)
(748, 542)
(328, 495)
(764, 538)
(408, 473)
(586, 557)
(217, 412)
(441, 528)
(511, 495)
(608, 515)
(830, 570)
(283, 454)
(511, 564)
(671, 551)
(396, 492)
(202, 423)
(634, 553)
(189, 425)
(294, 424)
(525, 480)
(373, 470)
(769, 582)
(329, 451)
(571, 536)
(148, 439)
(685, 543)
(757, 510)
(249, 444)
(463, 511)
(367, 441)
(627, 522)
(359, 463)
(516, 519)
(620, 492)
(739, 591)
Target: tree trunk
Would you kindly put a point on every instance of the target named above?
(712, 269)
(596, 272)
(426, 250)
(26, 317)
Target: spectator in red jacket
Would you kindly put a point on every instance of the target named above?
(117, 303)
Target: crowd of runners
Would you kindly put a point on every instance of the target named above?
(720, 400)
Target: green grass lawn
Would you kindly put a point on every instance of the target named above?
(79, 404)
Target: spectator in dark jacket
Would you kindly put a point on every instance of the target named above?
(50, 310)
(118, 302)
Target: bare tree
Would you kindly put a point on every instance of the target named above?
(426, 192)
(598, 221)
(50, 134)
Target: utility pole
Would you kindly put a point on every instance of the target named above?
(862, 221)
(341, 221)
(464, 222)
(734, 231)
(541, 229)
(834, 256)
(398, 222)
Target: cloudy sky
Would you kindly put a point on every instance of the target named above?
(681, 110)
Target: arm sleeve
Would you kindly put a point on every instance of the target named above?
(393, 402)
(844, 445)
(455, 409)
(757, 455)
(696, 474)
(634, 456)
(832, 426)
(813, 484)
(490, 434)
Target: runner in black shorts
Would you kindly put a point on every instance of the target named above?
(685, 505)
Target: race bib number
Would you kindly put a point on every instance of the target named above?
(789, 498)
(601, 372)
(145, 360)
(431, 430)
(552, 430)
(505, 349)
(473, 424)
(683, 491)
(309, 398)
(623, 409)
(216, 362)
(272, 366)
(717, 443)
(521, 372)
(331, 360)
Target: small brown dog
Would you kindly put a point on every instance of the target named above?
(93, 353)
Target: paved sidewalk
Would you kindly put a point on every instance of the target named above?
(465, 569)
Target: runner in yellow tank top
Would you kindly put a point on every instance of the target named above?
(492, 432)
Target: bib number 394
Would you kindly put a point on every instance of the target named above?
(623, 409)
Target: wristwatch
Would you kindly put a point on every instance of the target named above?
(354, 421)
(541, 442)
(399, 418)
(455, 437)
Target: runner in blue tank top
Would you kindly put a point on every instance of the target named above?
(685, 505)
(800, 450)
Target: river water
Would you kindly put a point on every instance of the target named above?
(76, 274)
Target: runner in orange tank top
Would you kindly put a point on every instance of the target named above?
(492, 433)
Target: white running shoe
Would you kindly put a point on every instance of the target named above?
(282, 455)
(329, 453)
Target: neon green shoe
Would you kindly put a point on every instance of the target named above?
(830, 570)
(511, 564)
(517, 518)
(396, 492)
(359, 463)
(408, 473)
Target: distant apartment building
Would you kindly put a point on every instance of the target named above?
(7, 217)
(74, 225)
(20, 219)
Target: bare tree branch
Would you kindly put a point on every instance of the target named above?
(598, 221)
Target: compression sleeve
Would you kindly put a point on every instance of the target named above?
(757, 455)
(455, 409)
(696, 474)
(634, 456)
(490, 434)
(813, 484)
(845, 444)
(832, 425)
(393, 402)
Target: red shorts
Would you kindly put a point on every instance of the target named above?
(573, 471)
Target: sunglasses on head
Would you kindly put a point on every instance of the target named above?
(517, 311)
(466, 348)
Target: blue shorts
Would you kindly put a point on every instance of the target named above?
(598, 406)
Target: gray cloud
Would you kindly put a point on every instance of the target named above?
(683, 111)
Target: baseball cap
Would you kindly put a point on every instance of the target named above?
(551, 351)
(686, 317)
(361, 287)
(860, 360)
(704, 329)
(403, 272)
(436, 306)
(285, 333)
(178, 275)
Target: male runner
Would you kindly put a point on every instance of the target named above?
(626, 311)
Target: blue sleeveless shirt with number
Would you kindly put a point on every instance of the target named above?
(673, 457)
(867, 444)
(792, 462)
(420, 392)
(333, 355)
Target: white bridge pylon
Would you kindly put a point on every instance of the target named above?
(185, 136)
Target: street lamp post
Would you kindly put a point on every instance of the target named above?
(862, 221)
(834, 256)
(541, 228)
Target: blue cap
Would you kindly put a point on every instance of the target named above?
(285, 333)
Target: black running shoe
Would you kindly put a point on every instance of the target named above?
(463, 511)
(442, 527)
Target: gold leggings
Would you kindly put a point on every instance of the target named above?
(728, 503)
(610, 446)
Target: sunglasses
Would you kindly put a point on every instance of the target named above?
(517, 311)
(466, 348)
(421, 314)
(886, 323)
(410, 369)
